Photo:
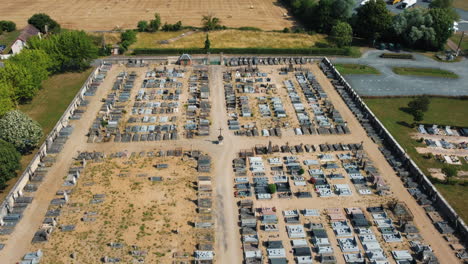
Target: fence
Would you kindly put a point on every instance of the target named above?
(438, 200)
(17, 189)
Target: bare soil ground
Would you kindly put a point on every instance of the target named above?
(110, 14)
(154, 216)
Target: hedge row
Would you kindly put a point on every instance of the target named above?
(298, 51)
(404, 56)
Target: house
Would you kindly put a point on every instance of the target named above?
(185, 60)
(20, 42)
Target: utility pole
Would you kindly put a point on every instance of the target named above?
(459, 43)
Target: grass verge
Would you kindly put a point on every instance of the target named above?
(393, 114)
(355, 69)
(431, 72)
(48, 106)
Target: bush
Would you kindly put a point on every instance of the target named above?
(172, 27)
(20, 130)
(9, 162)
(250, 29)
(301, 171)
(272, 188)
(7, 26)
(450, 171)
(286, 30)
(41, 20)
(142, 26)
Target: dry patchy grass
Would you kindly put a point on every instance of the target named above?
(229, 39)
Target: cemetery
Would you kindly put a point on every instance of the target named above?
(136, 172)
(162, 103)
(122, 207)
(266, 100)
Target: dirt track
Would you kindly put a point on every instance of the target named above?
(227, 234)
(109, 14)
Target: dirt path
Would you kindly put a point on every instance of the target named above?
(228, 245)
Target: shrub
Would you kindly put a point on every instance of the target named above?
(9, 162)
(7, 26)
(172, 27)
(20, 130)
(272, 188)
(41, 20)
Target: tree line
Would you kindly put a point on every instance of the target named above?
(418, 28)
(21, 78)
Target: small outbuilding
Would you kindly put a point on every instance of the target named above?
(185, 60)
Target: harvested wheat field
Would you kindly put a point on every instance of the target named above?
(118, 212)
(109, 14)
(228, 39)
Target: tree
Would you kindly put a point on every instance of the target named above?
(342, 34)
(272, 188)
(418, 116)
(9, 162)
(127, 38)
(301, 171)
(419, 104)
(342, 9)
(414, 27)
(41, 20)
(142, 26)
(211, 22)
(7, 26)
(69, 50)
(372, 20)
(442, 23)
(323, 19)
(6, 95)
(20, 78)
(155, 23)
(207, 43)
(38, 63)
(20, 130)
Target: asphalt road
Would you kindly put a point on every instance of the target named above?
(391, 84)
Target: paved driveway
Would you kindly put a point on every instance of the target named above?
(390, 84)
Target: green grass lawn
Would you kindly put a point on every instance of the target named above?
(355, 69)
(55, 96)
(431, 72)
(7, 39)
(48, 106)
(442, 111)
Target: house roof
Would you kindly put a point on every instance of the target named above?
(28, 32)
(185, 57)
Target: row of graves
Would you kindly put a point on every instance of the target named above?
(331, 170)
(240, 61)
(198, 105)
(108, 122)
(318, 115)
(412, 184)
(443, 130)
(54, 147)
(251, 108)
(205, 222)
(362, 236)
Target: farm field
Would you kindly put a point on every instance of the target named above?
(228, 39)
(110, 14)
